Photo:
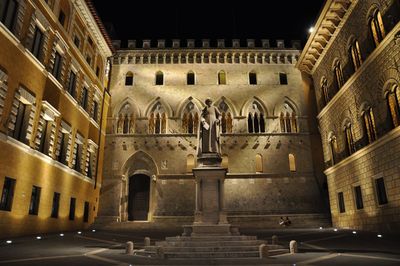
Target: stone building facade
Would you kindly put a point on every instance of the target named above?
(351, 60)
(53, 80)
(158, 91)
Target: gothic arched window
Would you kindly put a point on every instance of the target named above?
(158, 120)
(256, 119)
(393, 103)
(355, 55)
(377, 28)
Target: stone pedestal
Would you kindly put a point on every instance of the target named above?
(210, 216)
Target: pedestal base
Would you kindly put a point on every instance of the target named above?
(202, 229)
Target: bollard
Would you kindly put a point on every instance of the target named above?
(147, 241)
(129, 248)
(274, 240)
(293, 247)
(263, 251)
(160, 252)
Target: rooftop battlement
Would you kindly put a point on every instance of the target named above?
(205, 44)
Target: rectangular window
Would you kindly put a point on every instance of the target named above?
(45, 138)
(62, 157)
(283, 78)
(358, 197)
(57, 66)
(78, 156)
(381, 191)
(342, 208)
(61, 17)
(56, 205)
(21, 122)
(8, 13)
(72, 84)
(77, 41)
(252, 78)
(84, 99)
(95, 110)
(8, 194)
(35, 200)
(37, 43)
(86, 212)
(72, 209)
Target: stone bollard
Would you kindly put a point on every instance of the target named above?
(129, 248)
(147, 241)
(263, 251)
(160, 252)
(274, 240)
(293, 247)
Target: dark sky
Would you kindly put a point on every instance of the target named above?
(167, 19)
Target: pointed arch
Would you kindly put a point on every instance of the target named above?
(124, 121)
(256, 112)
(150, 106)
(140, 162)
(117, 108)
(183, 104)
(231, 106)
(248, 103)
(190, 117)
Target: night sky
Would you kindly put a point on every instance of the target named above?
(289, 20)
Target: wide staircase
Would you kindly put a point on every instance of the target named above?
(201, 247)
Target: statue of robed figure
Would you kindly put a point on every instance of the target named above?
(209, 131)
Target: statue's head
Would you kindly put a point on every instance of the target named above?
(208, 102)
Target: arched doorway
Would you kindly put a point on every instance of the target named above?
(139, 197)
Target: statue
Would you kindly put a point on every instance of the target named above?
(209, 130)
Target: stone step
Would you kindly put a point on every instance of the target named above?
(214, 254)
(204, 249)
(214, 243)
(210, 238)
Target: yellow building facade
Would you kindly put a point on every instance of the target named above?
(53, 107)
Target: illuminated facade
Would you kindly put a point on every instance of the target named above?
(158, 91)
(53, 79)
(351, 60)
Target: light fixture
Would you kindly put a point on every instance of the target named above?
(380, 236)
(38, 237)
(335, 229)
(320, 227)
(311, 30)
(61, 234)
(79, 232)
(8, 241)
(354, 232)
(93, 230)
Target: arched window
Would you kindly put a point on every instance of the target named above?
(226, 117)
(223, 122)
(229, 123)
(250, 126)
(255, 120)
(221, 78)
(259, 163)
(338, 75)
(158, 120)
(348, 133)
(324, 90)
(292, 163)
(190, 163)
(333, 149)
(294, 123)
(190, 119)
(190, 78)
(377, 28)
(159, 78)
(355, 54)
(253, 78)
(225, 161)
(126, 120)
(369, 124)
(393, 103)
(129, 79)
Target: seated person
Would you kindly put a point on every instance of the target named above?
(287, 221)
(281, 222)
